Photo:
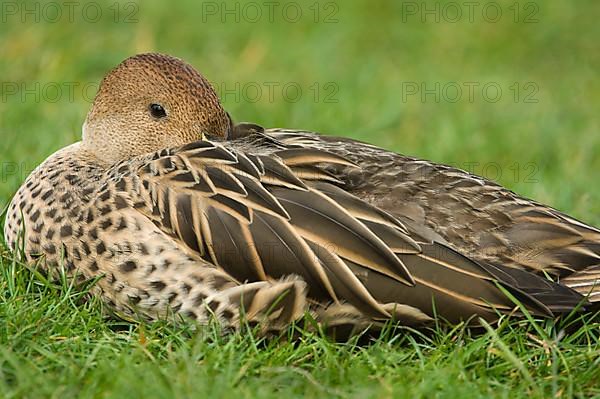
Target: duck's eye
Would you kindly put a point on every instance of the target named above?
(157, 111)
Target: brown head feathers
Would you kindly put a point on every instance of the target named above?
(148, 102)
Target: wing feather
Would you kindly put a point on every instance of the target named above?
(276, 212)
(320, 219)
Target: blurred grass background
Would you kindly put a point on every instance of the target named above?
(368, 54)
(362, 56)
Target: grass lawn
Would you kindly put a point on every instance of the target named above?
(508, 90)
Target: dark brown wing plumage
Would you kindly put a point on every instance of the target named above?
(251, 208)
(474, 216)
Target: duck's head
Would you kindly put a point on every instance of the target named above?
(149, 102)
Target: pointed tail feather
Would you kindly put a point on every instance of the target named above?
(454, 287)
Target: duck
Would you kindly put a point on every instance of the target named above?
(179, 213)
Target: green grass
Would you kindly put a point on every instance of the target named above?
(57, 342)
